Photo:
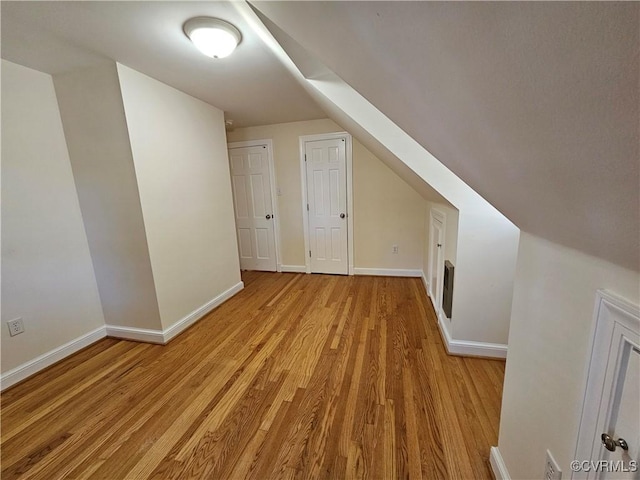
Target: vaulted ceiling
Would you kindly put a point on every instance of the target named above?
(535, 105)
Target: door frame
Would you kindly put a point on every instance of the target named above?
(272, 184)
(439, 215)
(610, 310)
(302, 141)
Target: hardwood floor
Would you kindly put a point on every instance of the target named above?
(298, 376)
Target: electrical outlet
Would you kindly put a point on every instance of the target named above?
(394, 248)
(15, 326)
(552, 470)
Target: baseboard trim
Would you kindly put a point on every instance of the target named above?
(46, 360)
(465, 348)
(425, 282)
(387, 272)
(160, 337)
(498, 466)
(136, 334)
(193, 317)
(469, 348)
(293, 268)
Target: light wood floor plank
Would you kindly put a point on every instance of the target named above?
(298, 376)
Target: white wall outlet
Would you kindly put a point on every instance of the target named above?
(552, 470)
(15, 326)
(394, 248)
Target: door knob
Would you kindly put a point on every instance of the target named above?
(611, 444)
(342, 215)
(268, 217)
(439, 245)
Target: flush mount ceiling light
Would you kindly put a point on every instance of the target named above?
(212, 36)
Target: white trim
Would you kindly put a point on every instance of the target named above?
(162, 337)
(350, 230)
(136, 334)
(197, 314)
(126, 333)
(274, 191)
(387, 272)
(612, 316)
(294, 268)
(498, 467)
(465, 348)
(440, 216)
(425, 282)
(469, 348)
(303, 175)
(46, 360)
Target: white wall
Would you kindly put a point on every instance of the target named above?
(387, 211)
(551, 322)
(487, 241)
(96, 133)
(180, 157)
(47, 275)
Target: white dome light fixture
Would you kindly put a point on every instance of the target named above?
(212, 36)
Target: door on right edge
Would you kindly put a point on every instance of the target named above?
(609, 437)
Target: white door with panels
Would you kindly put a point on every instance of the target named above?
(251, 183)
(608, 444)
(436, 259)
(326, 182)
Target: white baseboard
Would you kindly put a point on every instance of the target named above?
(126, 333)
(425, 282)
(294, 268)
(387, 272)
(498, 466)
(43, 361)
(136, 334)
(469, 348)
(466, 348)
(200, 312)
(162, 337)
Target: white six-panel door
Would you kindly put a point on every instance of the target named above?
(612, 395)
(251, 183)
(326, 181)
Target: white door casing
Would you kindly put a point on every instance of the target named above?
(611, 403)
(436, 258)
(252, 181)
(327, 206)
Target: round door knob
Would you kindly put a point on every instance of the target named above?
(268, 217)
(342, 215)
(611, 444)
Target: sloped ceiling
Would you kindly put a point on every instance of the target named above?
(534, 105)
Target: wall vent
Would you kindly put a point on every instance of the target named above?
(447, 291)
